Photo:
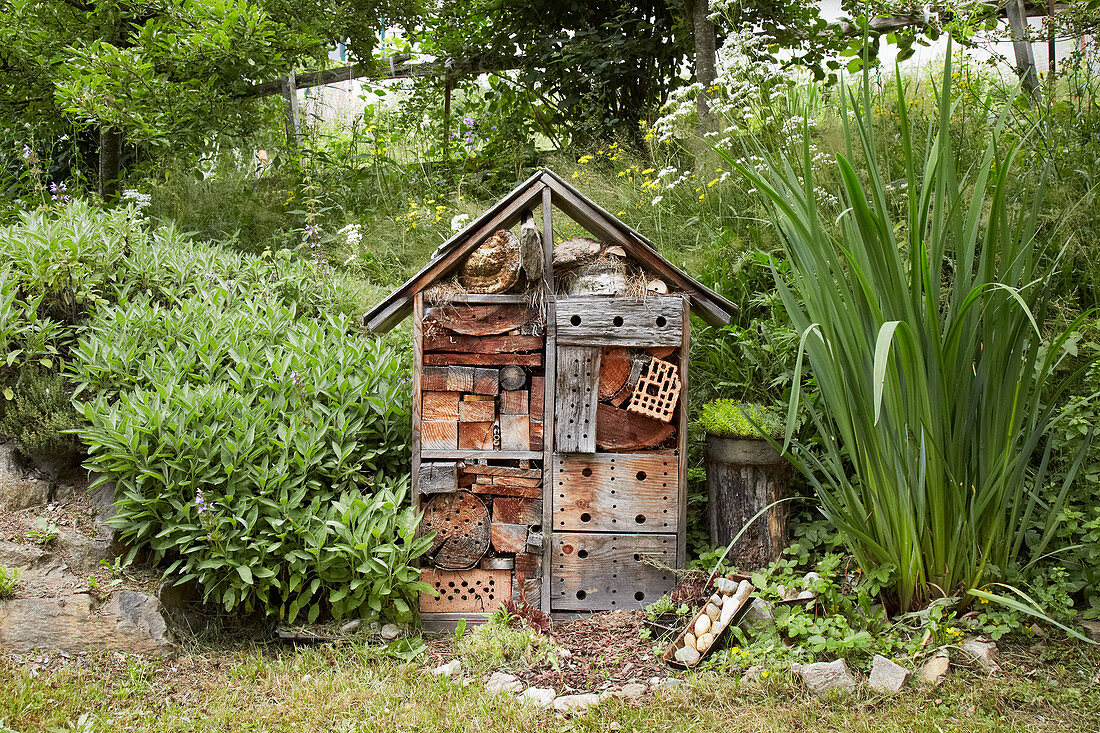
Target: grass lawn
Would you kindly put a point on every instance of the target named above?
(1052, 686)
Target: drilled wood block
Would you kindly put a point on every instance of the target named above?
(576, 400)
(513, 402)
(602, 572)
(497, 563)
(475, 436)
(657, 391)
(477, 411)
(439, 434)
(528, 578)
(466, 591)
(440, 406)
(440, 340)
(616, 492)
(515, 432)
(508, 537)
(460, 522)
(510, 510)
(437, 478)
(592, 320)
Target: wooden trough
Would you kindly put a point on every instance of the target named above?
(549, 422)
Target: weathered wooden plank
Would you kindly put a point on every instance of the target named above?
(620, 430)
(546, 388)
(475, 436)
(523, 360)
(617, 492)
(470, 591)
(497, 563)
(476, 411)
(478, 469)
(479, 455)
(513, 481)
(523, 492)
(510, 510)
(437, 478)
(537, 433)
(604, 321)
(461, 525)
(515, 432)
(418, 367)
(508, 537)
(513, 402)
(681, 441)
(438, 435)
(601, 572)
(439, 340)
(440, 406)
(576, 399)
(480, 320)
(538, 388)
(460, 379)
(528, 578)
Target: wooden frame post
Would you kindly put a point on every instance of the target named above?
(550, 381)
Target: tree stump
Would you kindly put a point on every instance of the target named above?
(461, 524)
(743, 477)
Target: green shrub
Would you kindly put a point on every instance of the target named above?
(261, 453)
(730, 419)
(9, 580)
(40, 417)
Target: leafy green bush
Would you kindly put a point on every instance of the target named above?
(9, 580)
(730, 419)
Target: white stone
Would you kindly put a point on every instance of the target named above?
(716, 599)
(690, 640)
(390, 632)
(575, 703)
(807, 595)
(704, 642)
(632, 691)
(503, 682)
(886, 676)
(702, 625)
(725, 585)
(823, 677)
(933, 671)
(982, 651)
(729, 609)
(451, 669)
(713, 611)
(542, 697)
(351, 626)
(687, 656)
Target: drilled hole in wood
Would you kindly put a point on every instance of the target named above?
(661, 321)
(586, 472)
(640, 476)
(639, 596)
(582, 554)
(618, 320)
(586, 517)
(640, 519)
(575, 320)
(581, 595)
(637, 557)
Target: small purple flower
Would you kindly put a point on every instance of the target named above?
(200, 502)
(296, 378)
(27, 152)
(313, 231)
(58, 191)
(468, 121)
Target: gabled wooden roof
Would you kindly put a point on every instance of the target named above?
(542, 187)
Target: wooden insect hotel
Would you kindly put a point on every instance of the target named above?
(549, 408)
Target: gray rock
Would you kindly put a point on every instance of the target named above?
(886, 676)
(934, 669)
(725, 585)
(84, 554)
(687, 656)
(982, 651)
(754, 675)
(391, 632)
(758, 615)
(667, 683)
(575, 703)
(20, 556)
(542, 697)
(823, 677)
(1091, 629)
(449, 670)
(632, 691)
(351, 626)
(23, 493)
(130, 622)
(503, 682)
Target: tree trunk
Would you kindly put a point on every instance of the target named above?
(1021, 47)
(706, 53)
(110, 163)
(743, 477)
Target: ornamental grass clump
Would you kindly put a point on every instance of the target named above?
(925, 340)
